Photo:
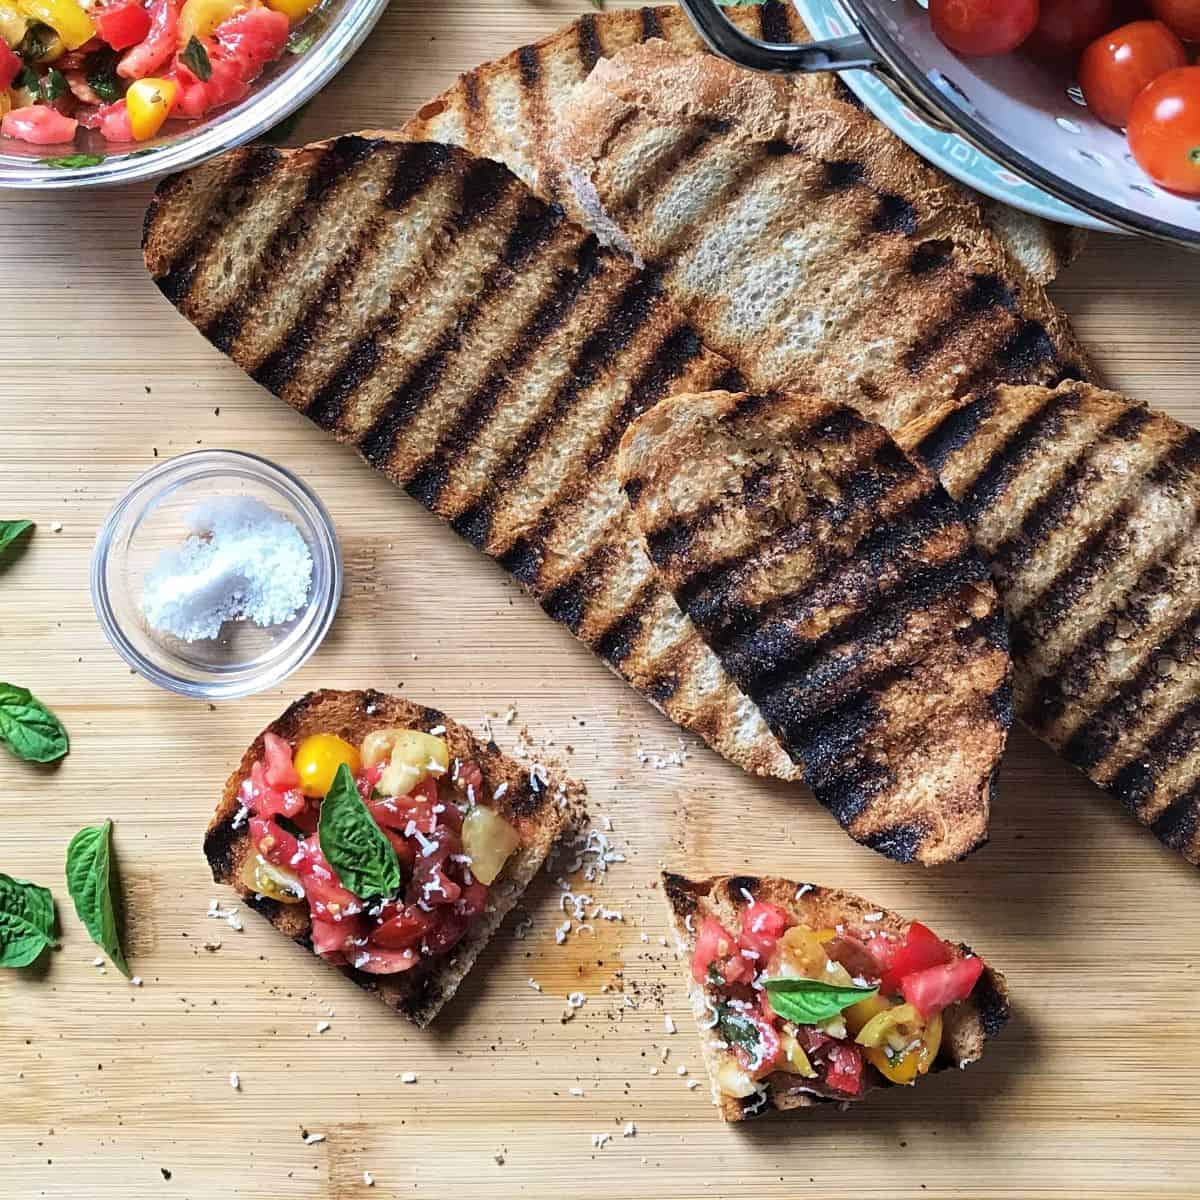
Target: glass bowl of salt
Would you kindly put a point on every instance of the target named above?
(217, 574)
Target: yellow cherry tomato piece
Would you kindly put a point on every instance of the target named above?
(12, 25)
(857, 1015)
(915, 1058)
(488, 839)
(294, 10)
(317, 759)
(149, 102)
(65, 17)
(266, 879)
(199, 18)
(796, 1059)
(410, 755)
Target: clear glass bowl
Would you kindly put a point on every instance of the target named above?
(152, 517)
(338, 28)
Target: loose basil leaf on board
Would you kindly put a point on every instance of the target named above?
(811, 1001)
(27, 921)
(29, 728)
(10, 531)
(92, 883)
(195, 58)
(353, 844)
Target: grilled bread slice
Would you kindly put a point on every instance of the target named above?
(507, 109)
(1087, 504)
(536, 812)
(799, 244)
(481, 352)
(967, 1025)
(836, 582)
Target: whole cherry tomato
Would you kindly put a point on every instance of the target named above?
(1116, 66)
(979, 27)
(1164, 130)
(1180, 16)
(1065, 27)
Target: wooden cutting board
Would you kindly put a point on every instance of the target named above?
(106, 1089)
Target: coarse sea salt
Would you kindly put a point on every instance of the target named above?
(242, 562)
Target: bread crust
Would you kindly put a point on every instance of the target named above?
(539, 815)
(967, 1025)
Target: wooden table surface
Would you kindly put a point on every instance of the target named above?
(105, 1089)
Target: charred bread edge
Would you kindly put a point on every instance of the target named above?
(969, 1024)
(420, 993)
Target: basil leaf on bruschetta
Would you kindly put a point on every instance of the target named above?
(811, 1001)
(353, 843)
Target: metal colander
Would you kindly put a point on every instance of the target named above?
(1023, 114)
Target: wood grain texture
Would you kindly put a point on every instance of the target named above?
(103, 1086)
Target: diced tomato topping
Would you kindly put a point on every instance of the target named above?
(274, 843)
(384, 962)
(225, 85)
(121, 25)
(762, 925)
(157, 46)
(39, 124)
(337, 937)
(845, 1068)
(404, 849)
(937, 987)
(449, 932)
(10, 65)
(812, 1040)
(399, 927)
(113, 121)
(473, 900)
(277, 763)
(368, 780)
(857, 957)
(921, 948)
(326, 896)
(258, 795)
(471, 779)
(714, 944)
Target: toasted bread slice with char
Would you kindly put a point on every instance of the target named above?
(836, 582)
(536, 811)
(507, 109)
(967, 1025)
(1087, 505)
(798, 243)
(481, 352)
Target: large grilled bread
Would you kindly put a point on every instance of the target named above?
(967, 1025)
(798, 243)
(1087, 504)
(836, 582)
(536, 811)
(507, 109)
(479, 350)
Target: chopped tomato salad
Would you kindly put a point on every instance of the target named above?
(448, 846)
(125, 67)
(829, 1007)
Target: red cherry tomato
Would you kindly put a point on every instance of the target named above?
(845, 1069)
(713, 943)
(935, 988)
(39, 124)
(978, 27)
(121, 25)
(921, 948)
(1164, 130)
(10, 65)
(1180, 16)
(1115, 67)
(1065, 27)
(762, 924)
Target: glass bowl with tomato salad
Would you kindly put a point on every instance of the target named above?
(99, 92)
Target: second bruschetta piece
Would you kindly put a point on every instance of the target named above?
(806, 995)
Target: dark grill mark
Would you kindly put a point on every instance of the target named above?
(661, 690)
(406, 401)
(954, 432)
(616, 643)
(986, 294)
(894, 214)
(567, 604)
(326, 407)
(218, 849)
(1000, 702)
(1136, 782)
(730, 381)
(1020, 360)
(1055, 506)
(773, 21)
(529, 66)
(738, 884)
(264, 905)
(991, 1004)
(1176, 827)
(471, 92)
(590, 49)
(930, 256)
(417, 165)
(674, 539)
(474, 525)
(901, 843)
(1035, 431)
(427, 483)
(258, 162)
(842, 174)
(779, 149)
(651, 27)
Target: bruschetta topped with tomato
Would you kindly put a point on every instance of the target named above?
(805, 995)
(385, 837)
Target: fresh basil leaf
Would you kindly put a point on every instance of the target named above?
(92, 883)
(10, 531)
(353, 844)
(811, 1001)
(278, 134)
(36, 43)
(715, 978)
(100, 70)
(54, 83)
(736, 1029)
(72, 162)
(195, 58)
(27, 80)
(27, 921)
(30, 729)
